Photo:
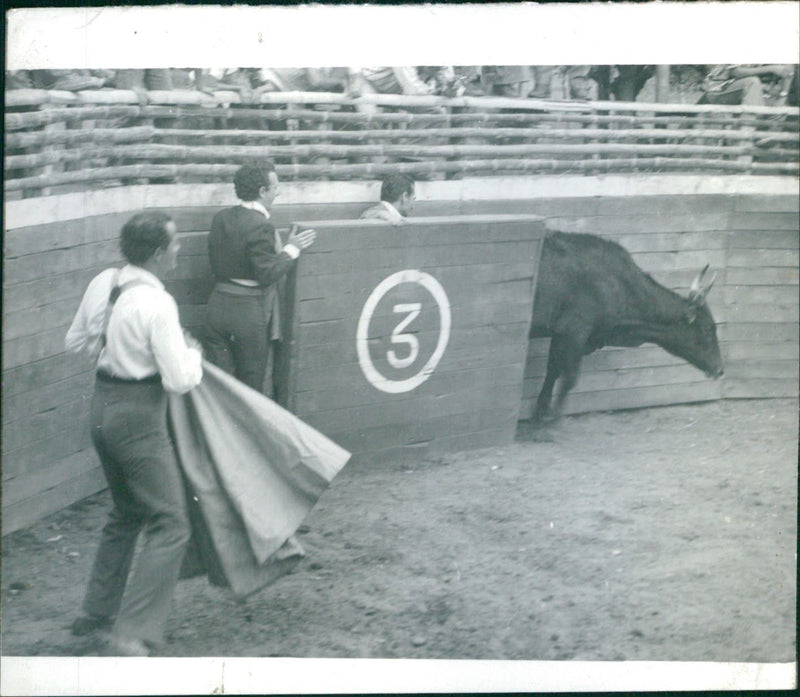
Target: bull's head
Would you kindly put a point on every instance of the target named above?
(702, 335)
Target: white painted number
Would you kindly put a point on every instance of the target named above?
(413, 309)
(399, 337)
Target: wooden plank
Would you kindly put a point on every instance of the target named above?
(418, 431)
(33, 376)
(759, 368)
(59, 261)
(45, 451)
(30, 484)
(329, 396)
(632, 378)
(639, 223)
(636, 398)
(760, 388)
(28, 349)
(423, 258)
(785, 296)
(499, 298)
(764, 276)
(402, 410)
(766, 221)
(310, 376)
(469, 339)
(63, 234)
(43, 291)
(756, 239)
(21, 412)
(785, 350)
(28, 511)
(32, 428)
(670, 241)
(760, 258)
(760, 202)
(364, 280)
(39, 400)
(613, 359)
(758, 332)
(768, 312)
(670, 205)
(693, 261)
(31, 321)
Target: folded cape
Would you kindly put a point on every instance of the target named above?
(253, 472)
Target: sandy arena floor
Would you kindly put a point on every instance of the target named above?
(659, 534)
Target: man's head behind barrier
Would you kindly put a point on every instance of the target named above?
(249, 179)
(395, 185)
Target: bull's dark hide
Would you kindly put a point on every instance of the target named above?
(253, 472)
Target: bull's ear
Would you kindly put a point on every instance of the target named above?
(691, 312)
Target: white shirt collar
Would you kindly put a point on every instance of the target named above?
(131, 272)
(389, 207)
(255, 206)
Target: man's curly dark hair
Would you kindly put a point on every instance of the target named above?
(143, 234)
(249, 179)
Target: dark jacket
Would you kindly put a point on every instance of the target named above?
(241, 244)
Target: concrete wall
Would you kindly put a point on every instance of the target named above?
(746, 227)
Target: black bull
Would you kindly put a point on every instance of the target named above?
(591, 294)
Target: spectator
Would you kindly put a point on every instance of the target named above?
(507, 80)
(543, 79)
(443, 80)
(69, 80)
(742, 84)
(18, 80)
(581, 83)
(397, 200)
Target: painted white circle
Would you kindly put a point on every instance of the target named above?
(365, 360)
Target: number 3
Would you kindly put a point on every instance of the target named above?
(413, 309)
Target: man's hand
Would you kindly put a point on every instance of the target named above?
(301, 239)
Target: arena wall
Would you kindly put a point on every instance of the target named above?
(745, 227)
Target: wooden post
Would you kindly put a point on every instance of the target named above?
(662, 83)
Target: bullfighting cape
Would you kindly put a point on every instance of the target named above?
(253, 471)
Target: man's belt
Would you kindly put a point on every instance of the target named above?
(233, 288)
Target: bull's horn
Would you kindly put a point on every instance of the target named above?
(696, 283)
(698, 292)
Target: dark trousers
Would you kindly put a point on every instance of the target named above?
(129, 432)
(238, 339)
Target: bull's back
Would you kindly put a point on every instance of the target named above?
(579, 275)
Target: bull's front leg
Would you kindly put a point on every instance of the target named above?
(563, 361)
(554, 367)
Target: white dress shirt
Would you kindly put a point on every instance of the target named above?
(144, 335)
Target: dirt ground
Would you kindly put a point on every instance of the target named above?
(658, 534)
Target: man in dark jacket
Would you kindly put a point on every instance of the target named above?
(248, 259)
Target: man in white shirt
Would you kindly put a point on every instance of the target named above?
(397, 200)
(130, 323)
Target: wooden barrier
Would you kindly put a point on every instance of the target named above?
(408, 341)
(746, 227)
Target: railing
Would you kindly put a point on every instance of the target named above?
(58, 141)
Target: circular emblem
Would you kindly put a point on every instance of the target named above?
(405, 346)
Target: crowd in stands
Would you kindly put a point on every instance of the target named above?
(724, 84)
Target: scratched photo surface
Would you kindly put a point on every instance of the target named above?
(565, 360)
